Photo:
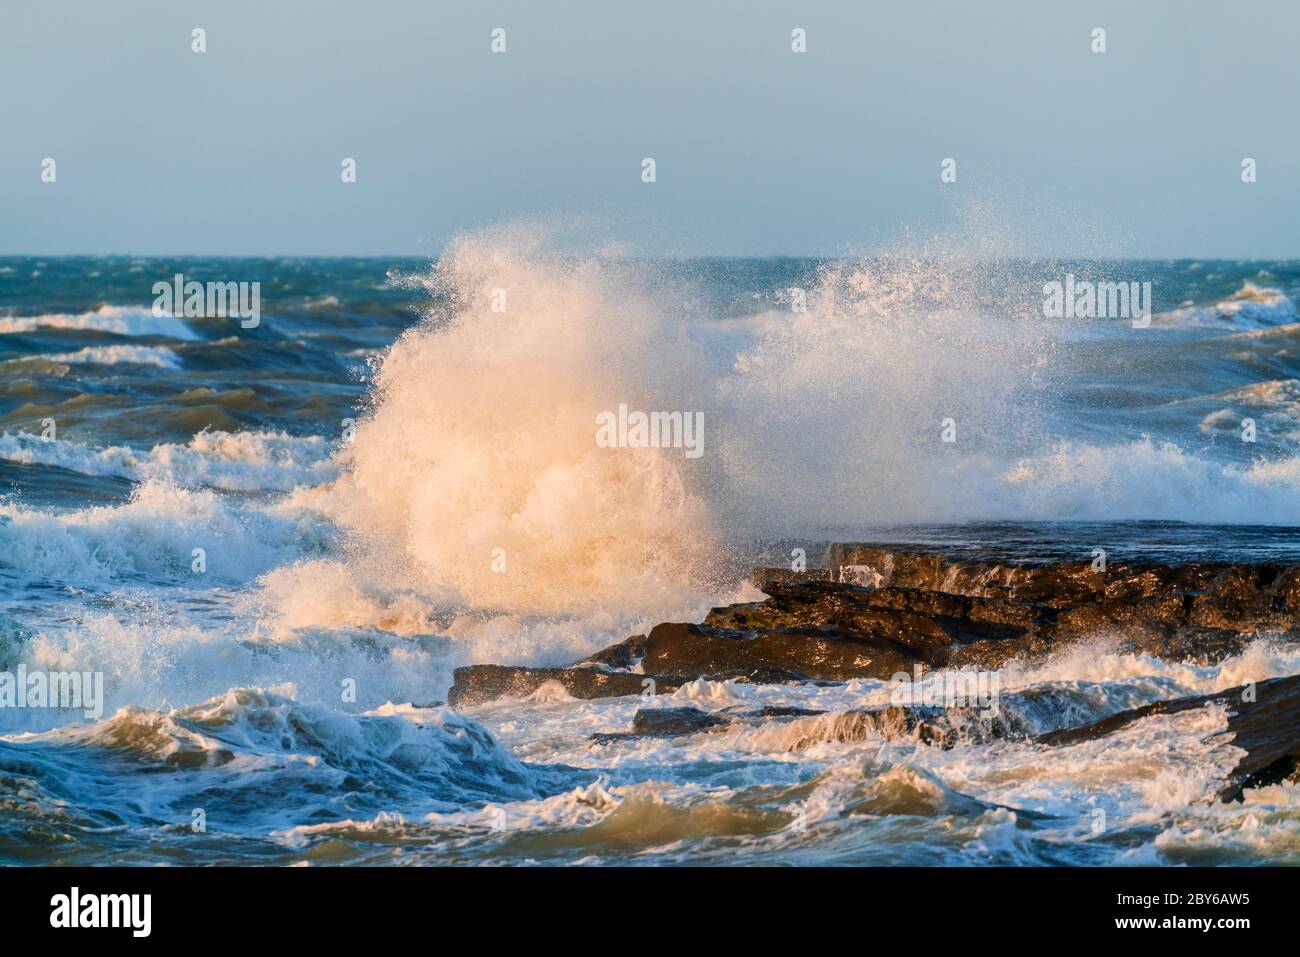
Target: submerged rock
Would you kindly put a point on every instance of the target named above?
(666, 723)
(783, 711)
(673, 721)
(890, 722)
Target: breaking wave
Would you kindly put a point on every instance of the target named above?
(119, 320)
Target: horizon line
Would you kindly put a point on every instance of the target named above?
(663, 257)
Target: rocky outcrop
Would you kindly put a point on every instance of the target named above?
(893, 629)
(928, 611)
(1263, 720)
(770, 655)
(1199, 595)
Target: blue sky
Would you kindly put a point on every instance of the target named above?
(1060, 151)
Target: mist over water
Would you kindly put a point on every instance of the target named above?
(472, 517)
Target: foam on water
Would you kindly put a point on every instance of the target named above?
(873, 799)
(153, 537)
(1251, 307)
(158, 356)
(1138, 480)
(234, 461)
(259, 763)
(119, 320)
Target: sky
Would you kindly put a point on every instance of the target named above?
(759, 150)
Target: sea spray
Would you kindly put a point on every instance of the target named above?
(476, 470)
(474, 475)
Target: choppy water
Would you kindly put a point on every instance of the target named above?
(332, 564)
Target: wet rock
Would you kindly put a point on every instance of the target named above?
(1066, 582)
(893, 629)
(624, 655)
(928, 611)
(665, 723)
(891, 722)
(885, 612)
(1267, 728)
(939, 727)
(783, 711)
(765, 654)
(1221, 597)
(982, 614)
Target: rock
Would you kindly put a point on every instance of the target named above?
(770, 655)
(1067, 582)
(665, 723)
(1206, 595)
(782, 711)
(621, 656)
(919, 627)
(1267, 729)
(946, 613)
(476, 684)
(892, 721)
(932, 612)
(674, 721)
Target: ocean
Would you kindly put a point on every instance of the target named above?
(274, 543)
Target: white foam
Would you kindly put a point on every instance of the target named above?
(158, 356)
(1251, 307)
(153, 536)
(263, 740)
(120, 320)
(234, 461)
(1143, 479)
